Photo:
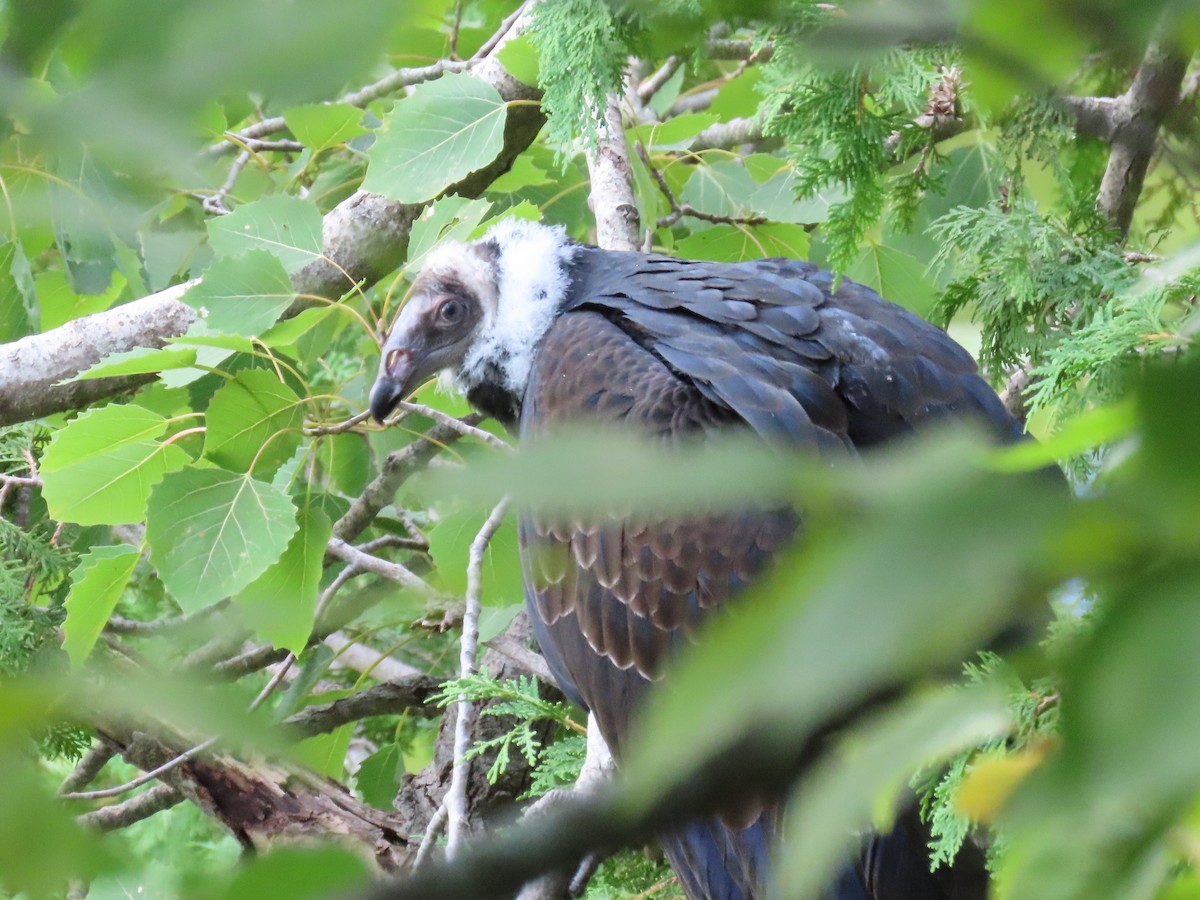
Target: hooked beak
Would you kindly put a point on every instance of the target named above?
(396, 380)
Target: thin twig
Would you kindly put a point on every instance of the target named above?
(437, 824)
(381, 567)
(456, 798)
(144, 778)
(391, 698)
(214, 204)
(398, 541)
(654, 83)
(502, 33)
(121, 625)
(679, 210)
(458, 13)
(462, 427)
(338, 427)
(396, 468)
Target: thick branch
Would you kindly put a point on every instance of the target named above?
(613, 201)
(143, 806)
(31, 367)
(380, 700)
(1136, 117)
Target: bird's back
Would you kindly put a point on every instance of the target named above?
(677, 348)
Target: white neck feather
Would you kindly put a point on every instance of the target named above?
(532, 282)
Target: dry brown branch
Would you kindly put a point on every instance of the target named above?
(392, 698)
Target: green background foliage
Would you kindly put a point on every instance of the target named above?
(922, 149)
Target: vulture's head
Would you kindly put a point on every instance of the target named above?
(478, 311)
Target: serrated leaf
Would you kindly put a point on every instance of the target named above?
(279, 605)
(321, 125)
(896, 275)
(450, 218)
(326, 753)
(379, 776)
(286, 227)
(143, 360)
(450, 546)
(520, 59)
(672, 132)
(287, 332)
(243, 294)
(96, 585)
(253, 423)
(733, 243)
(446, 130)
(212, 532)
(99, 469)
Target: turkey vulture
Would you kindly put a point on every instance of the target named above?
(540, 332)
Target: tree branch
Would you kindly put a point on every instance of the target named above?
(396, 468)
(1137, 116)
(379, 700)
(457, 812)
(122, 815)
(612, 198)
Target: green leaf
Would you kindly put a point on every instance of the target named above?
(96, 585)
(279, 605)
(450, 218)
(347, 459)
(672, 132)
(836, 801)
(212, 532)
(140, 361)
(253, 423)
(326, 753)
(289, 331)
(520, 59)
(450, 546)
(321, 125)
(42, 847)
(58, 302)
(16, 293)
(242, 295)
(99, 469)
(446, 130)
(896, 276)
(286, 227)
(307, 873)
(378, 777)
(734, 243)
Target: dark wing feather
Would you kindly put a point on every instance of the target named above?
(615, 597)
(775, 343)
(676, 348)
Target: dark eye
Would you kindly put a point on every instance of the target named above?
(450, 312)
